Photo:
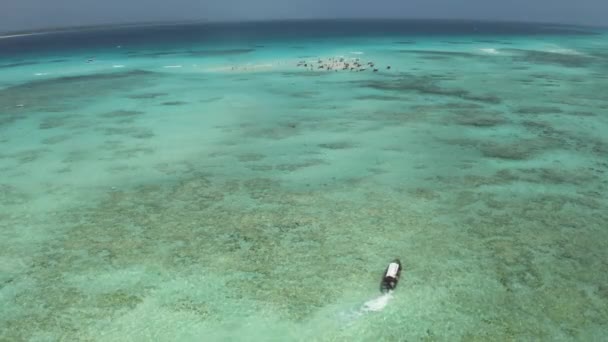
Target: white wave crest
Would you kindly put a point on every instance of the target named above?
(563, 51)
(491, 51)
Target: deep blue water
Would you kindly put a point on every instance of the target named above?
(260, 32)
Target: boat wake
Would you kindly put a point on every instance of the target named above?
(378, 303)
(373, 305)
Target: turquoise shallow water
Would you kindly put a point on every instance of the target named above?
(198, 188)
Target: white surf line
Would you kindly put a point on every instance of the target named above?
(118, 66)
(41, 74)
(172, 66)
(23, 35)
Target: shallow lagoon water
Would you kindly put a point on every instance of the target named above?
(193, 182)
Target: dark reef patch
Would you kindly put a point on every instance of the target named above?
(544, 76)
(491, 99)
(440, 53)
(488, 41)
(146, 96)
(152, 54)
(305, 94)
(77, 80)
(506, 151)
(456, 42)
(17, 64)
(249, 157)
(261, 168)
(55, 121)
(582, 113)
(121, 114)
(537, 110)
(437, 58)
(379, 98)
(426, 85)
(280, 131)
(174, 103)
(76, 156)
(443, 77)
(211, 99)
(424, 194)
(599, 147)
(572, 140)
(28, 156)
(299, 165)
(402, 117)
(338, 145)
(217, 53)
(462, 105)
(478, 118)
(66, 93)
(579, 177)
(7, 119)
(522, 149)
(11, 195)
(132, 152)
(132, 131)
(569, 60)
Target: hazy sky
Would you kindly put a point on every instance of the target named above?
(30, 14)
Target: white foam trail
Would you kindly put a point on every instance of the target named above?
(41, 73)
(118, 66)
(356, 52)
(172, 66)
(491, 51)
(373, 305)
(378, 303)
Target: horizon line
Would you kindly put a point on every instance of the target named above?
(71, 28)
